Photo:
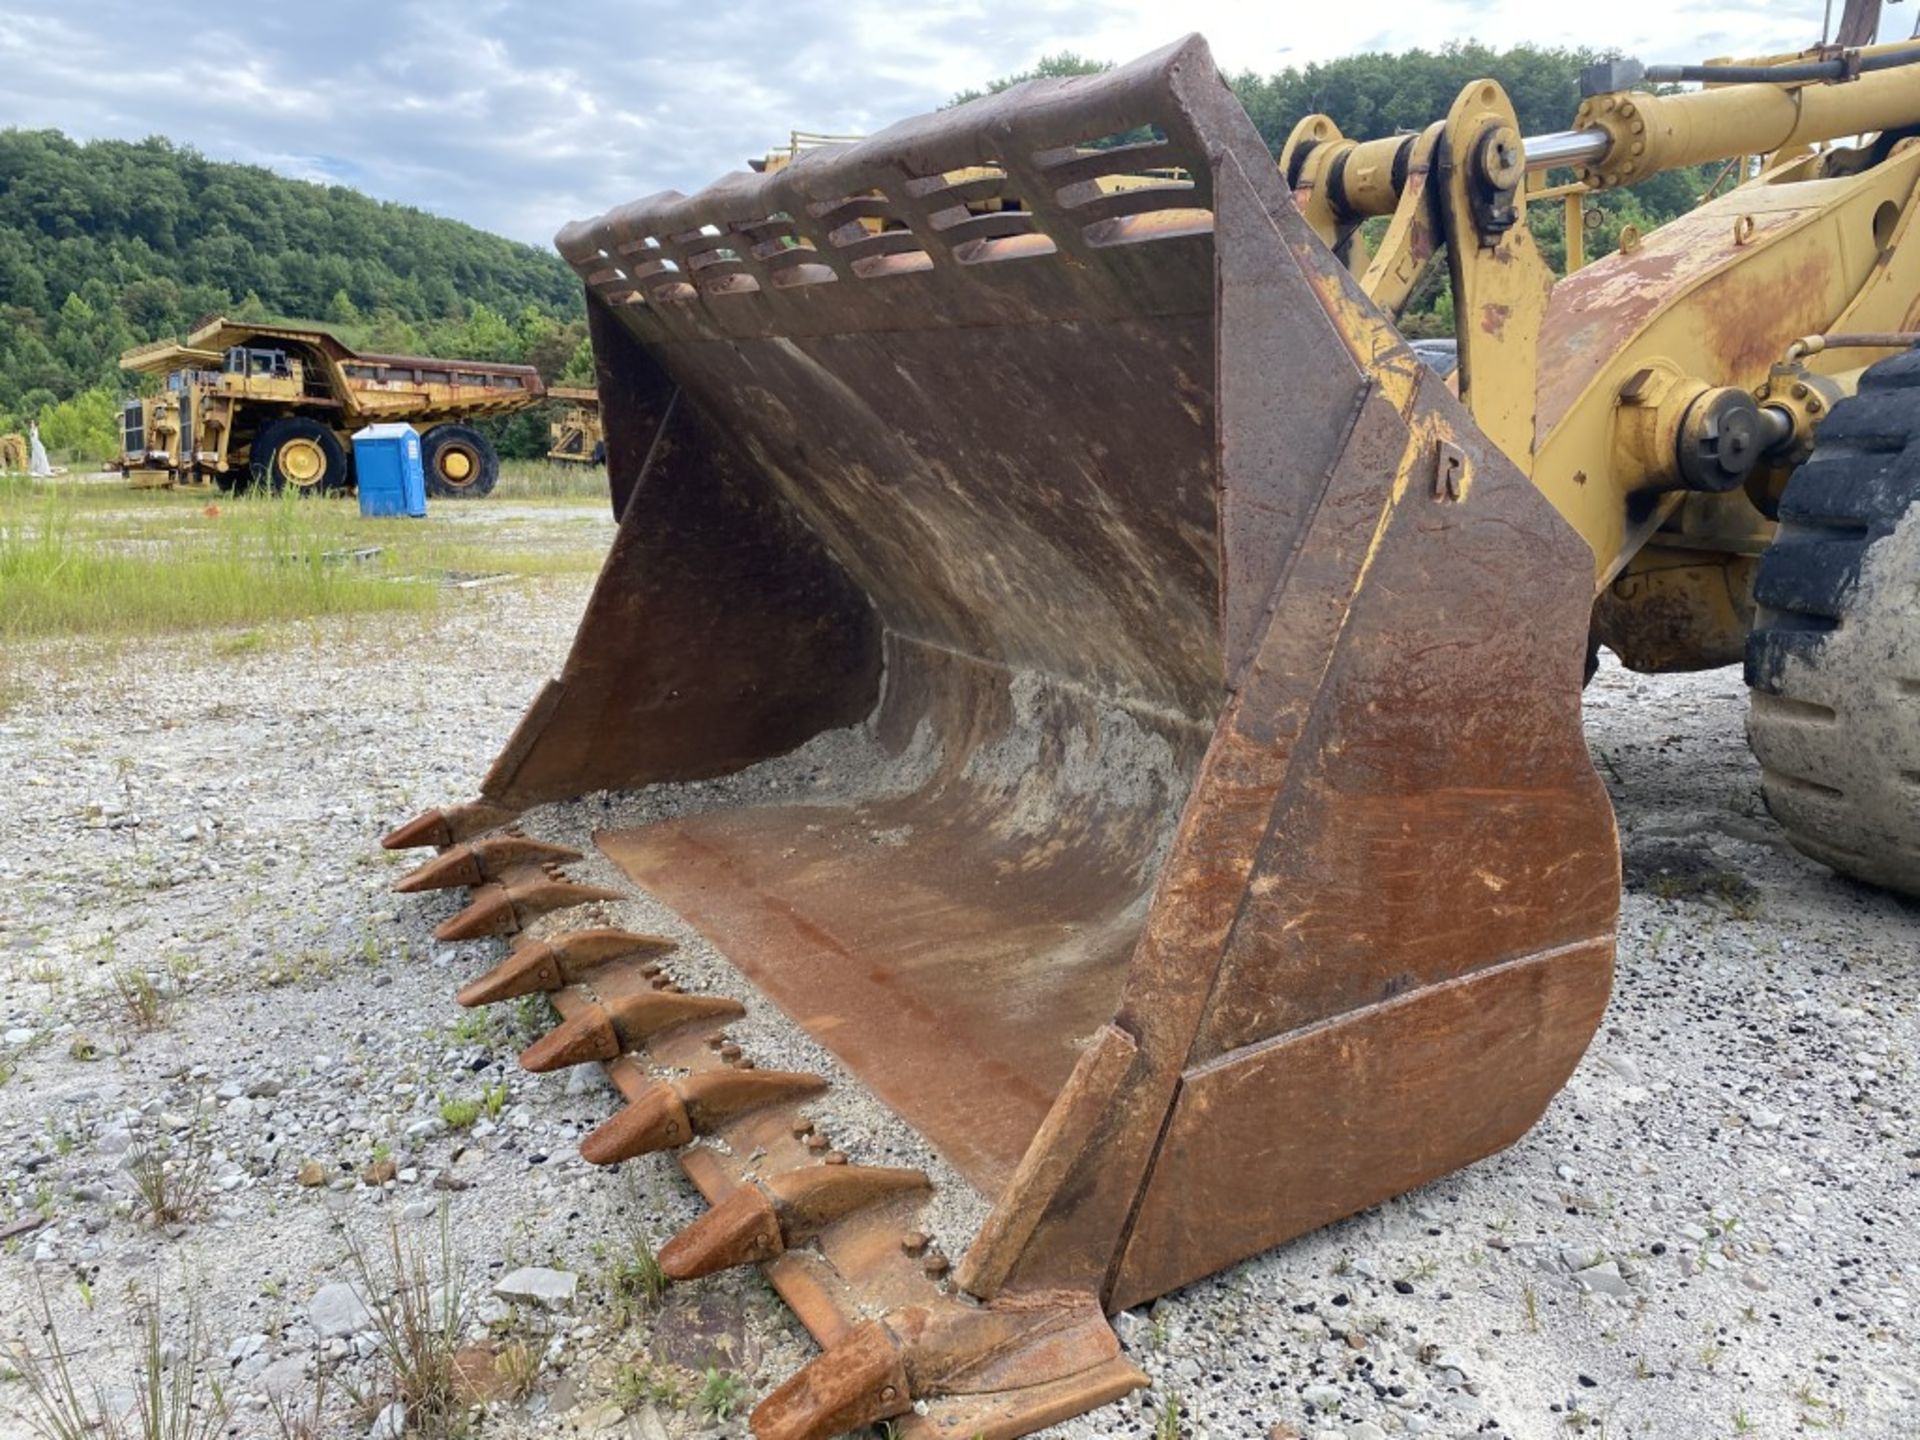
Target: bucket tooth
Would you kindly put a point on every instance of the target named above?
(658, 1120)
(530, 968)
(490, 912)
(576, 1040)
(670, 1115)
(561, 959)
(602, 1031)
(428, 828)
(763, 1219)
(743, 1229)
(503, 907)
(448, 870)
(448, 825)
(477, 861)
(859, 1381)
(477, 817)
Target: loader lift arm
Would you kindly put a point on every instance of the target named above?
(1612, 457)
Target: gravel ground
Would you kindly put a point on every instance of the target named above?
(1709, 1234)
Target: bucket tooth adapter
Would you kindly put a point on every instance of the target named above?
(536, 967)
(475, 862)
(600, 1032)
(675, 1112)
(762, 1220)
(880, 1367)
(447, 825)
(515, 900)
(1255, 869)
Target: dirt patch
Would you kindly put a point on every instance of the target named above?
(1679, 870)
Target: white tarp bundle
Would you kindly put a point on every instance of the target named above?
(37, 462)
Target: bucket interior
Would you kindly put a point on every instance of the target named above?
(956, 945)
(1010, 458)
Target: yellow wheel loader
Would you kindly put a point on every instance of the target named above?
(1248, 866)
(576, 434)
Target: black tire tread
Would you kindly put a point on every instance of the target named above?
(1838, 757)
(272, 435)
(489, 462)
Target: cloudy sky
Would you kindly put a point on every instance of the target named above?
(518, 116)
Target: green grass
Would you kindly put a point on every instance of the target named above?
(418, 1319)
(646, 1381)
(494, 1099)
(459, 1114)
(549, 480)
(1170, 1423)
(174, 1396)
(96, 559)
(66, 568)
(637, 1280)
(721, 1393)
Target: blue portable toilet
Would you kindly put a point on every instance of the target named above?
(386, 465)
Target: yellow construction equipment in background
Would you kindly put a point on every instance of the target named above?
(575, 432)
(798, 143)
(275, 406)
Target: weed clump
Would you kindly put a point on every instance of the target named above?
(459, 1114)
(418, 1319)
(172, 1177)
(173, 1396)
(141, 1003)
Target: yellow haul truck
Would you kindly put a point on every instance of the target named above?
(273, 406)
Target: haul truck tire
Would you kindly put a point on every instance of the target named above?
(461, 463)
(298, 454)
(1834, 658)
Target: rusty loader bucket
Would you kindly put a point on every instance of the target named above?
(1258, 871)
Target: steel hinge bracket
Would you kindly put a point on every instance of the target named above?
(1450, 473)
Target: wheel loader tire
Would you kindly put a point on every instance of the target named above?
(461, 463)
(298, 454)
(1833, 661)
(599, 452)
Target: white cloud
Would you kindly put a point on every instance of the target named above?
(520, 116)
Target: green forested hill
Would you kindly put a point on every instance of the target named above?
(108, 244)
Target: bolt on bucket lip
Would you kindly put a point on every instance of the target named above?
(841, 1247)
